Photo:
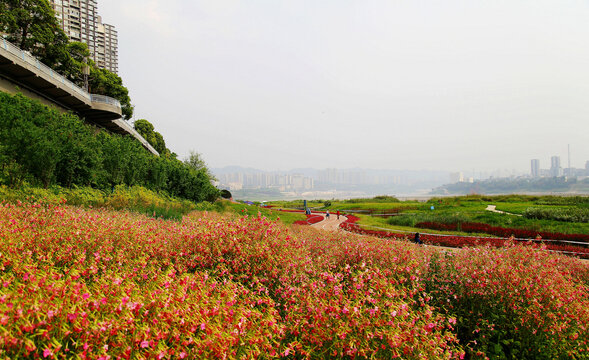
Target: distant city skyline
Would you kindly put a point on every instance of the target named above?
(454, 85)
(556, 169)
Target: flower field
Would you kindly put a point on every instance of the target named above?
(502, 231)
(311, 219)
(100, 284)
(457, 241)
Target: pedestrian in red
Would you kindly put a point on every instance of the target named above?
(338, 214)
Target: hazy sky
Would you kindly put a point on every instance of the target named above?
(456, 85)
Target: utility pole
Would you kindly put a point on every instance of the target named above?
(86, 72)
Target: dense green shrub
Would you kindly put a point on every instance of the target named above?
(413, 219)
(42, 147)
(564, 200)
(558, 214)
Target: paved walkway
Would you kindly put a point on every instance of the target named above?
(331, 224)
(493, 208)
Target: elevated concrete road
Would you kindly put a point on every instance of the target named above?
(21, 72)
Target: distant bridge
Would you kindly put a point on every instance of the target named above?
(21, 72)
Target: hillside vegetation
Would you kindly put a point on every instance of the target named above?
(42, 147)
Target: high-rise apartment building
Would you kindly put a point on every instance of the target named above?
(555, 169)
(80, 21)
(107, 47)
(535, 167)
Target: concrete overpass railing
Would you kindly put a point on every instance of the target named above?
(105, 100)
(44, 69)
(135, 134)
(24, 70)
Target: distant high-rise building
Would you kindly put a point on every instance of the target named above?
(80, 21)
(456, 177)
(535, 167)
(555, 169)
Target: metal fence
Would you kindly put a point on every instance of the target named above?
(129, 129)
(46, 70)
(105, 100)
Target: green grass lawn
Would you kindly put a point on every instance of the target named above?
(373, 221)
(456, 209)
(461, 209)
(270, 213)
(337, 205)
(297, 204)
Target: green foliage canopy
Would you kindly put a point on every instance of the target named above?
(32, 26)
(105, 82)
(196, 162)
(41, 146)
(154, 138)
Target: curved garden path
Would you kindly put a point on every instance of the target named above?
(493, 208)
(331, 224)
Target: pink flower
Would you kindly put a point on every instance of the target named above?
(47, 352)
(202, 326)
(145, 344)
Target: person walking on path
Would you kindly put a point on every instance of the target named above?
(338, 214)
(327, 215)
(417, 239)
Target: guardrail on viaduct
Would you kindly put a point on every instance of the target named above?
(24, 70)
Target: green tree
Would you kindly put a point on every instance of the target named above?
(32, 26)
(77, 59)
(80, 152)
(105, 82)
(154, 138)
(144, 128)
(196, 162)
